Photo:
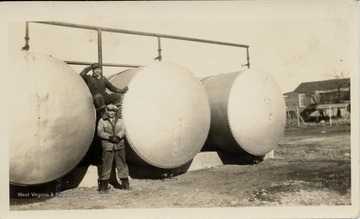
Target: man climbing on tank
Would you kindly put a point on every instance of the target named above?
(97, 84)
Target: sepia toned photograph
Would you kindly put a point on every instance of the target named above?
(184, 109)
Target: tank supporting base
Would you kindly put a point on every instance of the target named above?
(87, 175)
(201, 161)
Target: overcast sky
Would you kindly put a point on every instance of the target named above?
(293, 41)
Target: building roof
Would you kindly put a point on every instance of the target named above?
(288, 93)
(306, 87)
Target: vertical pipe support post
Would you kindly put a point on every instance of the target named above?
(159, 57)
(27, 38)
(100, 48)
(248, 57)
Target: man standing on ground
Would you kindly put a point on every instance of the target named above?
(112, 132)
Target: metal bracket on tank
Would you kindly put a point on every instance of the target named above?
(27, 38)
(248, 59)
(159, 57)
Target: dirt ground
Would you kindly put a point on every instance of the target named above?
(311, 167)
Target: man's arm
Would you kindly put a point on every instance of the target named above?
(112, 88)
(101, 130)
(121, 133)
(85, 71)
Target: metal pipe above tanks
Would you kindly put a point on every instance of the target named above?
(166, 113)
(247, 112)
(52, 119)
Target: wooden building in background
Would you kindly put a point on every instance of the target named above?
(318, 100)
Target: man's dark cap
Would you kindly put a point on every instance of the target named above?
(95, 65)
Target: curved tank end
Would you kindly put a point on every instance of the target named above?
(52, 119)
(256, 112)
(167, 114)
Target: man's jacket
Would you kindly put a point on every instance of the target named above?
(106, 129)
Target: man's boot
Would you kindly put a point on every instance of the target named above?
(104, 186)
(99, 184)
(125, 183)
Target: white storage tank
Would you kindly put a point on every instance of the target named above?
(51, 118)
(247, 112)
(166, 113)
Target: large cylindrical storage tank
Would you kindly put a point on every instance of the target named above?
(51, 119)
(166, 113)
(247, 112)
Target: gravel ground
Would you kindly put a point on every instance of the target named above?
(311, 167)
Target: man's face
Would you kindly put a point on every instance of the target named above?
(111, 113)
(97, 71)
